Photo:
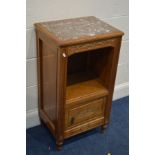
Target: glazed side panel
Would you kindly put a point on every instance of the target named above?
(49, 70)
(111, 76)
(47, 80)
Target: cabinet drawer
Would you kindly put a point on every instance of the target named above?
(88, 111)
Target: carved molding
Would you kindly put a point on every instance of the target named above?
(90, 46)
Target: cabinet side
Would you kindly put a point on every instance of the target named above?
(47, 79)
(110, 75)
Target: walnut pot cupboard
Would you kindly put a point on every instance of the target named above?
(77, 64)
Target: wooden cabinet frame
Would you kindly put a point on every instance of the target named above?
(52, 58)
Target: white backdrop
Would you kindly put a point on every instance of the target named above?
(115, 12)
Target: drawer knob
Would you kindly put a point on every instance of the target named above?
(72, 120)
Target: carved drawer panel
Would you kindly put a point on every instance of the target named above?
(90, 46)
(87, 111)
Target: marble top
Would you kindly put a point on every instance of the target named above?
(77, 28)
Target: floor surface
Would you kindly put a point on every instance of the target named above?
(114, 140)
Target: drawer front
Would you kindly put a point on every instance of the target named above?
(88, 111)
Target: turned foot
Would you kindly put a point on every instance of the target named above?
(41, 122)
(59, 145)
(103, 127)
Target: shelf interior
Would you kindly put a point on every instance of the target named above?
(83, 90)
(88, 75)
(80, 77)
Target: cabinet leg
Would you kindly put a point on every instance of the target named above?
(41, 122)
(103, 127)
(59, 145)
